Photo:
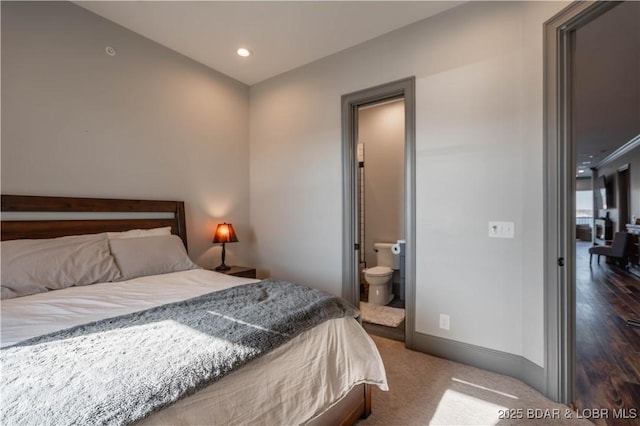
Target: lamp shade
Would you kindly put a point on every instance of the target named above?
(225, 234)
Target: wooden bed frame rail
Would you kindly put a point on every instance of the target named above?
(354, 406)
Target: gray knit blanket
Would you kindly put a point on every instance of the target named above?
(120, 370)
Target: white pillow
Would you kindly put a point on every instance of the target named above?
(139, 257)
(35, 266)
(138, 233)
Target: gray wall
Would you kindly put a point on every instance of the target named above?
(607, 79)
(151, 123)
(607, 90)
(610, 171)
(381, 131)
(479, 158)
(146, 123)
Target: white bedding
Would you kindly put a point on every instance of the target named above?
(290, 385)
(43, 313)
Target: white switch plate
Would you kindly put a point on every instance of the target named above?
(444, 321)
(501, 230)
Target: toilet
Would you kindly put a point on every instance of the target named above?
(380, 277)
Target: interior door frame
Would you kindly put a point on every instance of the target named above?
(559, 199)
(404, 88)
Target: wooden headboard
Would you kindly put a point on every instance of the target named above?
(18, 229)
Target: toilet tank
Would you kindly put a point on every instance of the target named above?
(384, 256)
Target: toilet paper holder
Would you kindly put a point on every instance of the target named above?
(397, 247)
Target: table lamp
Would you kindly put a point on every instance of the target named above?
(224, 234)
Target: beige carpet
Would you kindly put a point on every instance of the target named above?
(426, 390)
(382, 315)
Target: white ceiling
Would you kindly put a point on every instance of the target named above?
(282, 35)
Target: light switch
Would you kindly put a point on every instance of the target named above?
(501, 230)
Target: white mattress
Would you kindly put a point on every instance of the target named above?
(289, 385)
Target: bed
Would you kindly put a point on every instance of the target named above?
(323, 375)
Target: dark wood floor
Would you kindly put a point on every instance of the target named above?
(607, 351)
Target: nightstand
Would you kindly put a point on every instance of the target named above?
(240, 271)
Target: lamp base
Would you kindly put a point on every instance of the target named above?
(222, 266)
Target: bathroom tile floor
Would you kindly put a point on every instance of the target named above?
(396, 303)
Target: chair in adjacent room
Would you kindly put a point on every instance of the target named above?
(617, 249)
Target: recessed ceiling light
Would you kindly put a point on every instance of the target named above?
(243, 52)
(581, 171)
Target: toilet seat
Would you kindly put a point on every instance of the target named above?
(378, 271)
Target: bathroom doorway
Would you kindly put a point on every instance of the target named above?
(380, 151)
(379, 207)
